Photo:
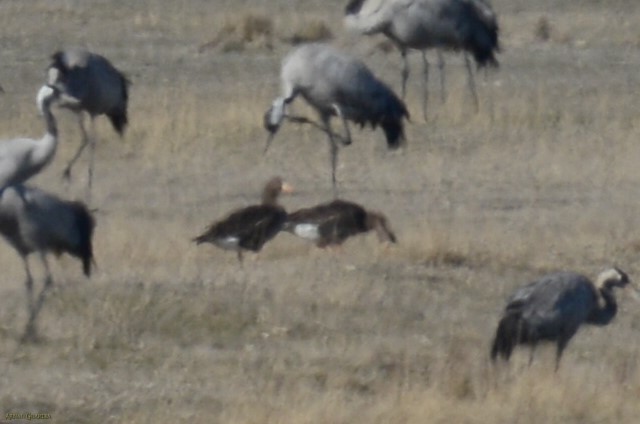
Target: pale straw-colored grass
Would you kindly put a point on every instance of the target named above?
(544, 177)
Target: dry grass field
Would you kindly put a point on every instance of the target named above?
(544, 177)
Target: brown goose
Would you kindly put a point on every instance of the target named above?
(332, 223)
(251, 227)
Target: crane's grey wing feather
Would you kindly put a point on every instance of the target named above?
(50, 218)
(375, 15)
(13, 157)
(553, 296)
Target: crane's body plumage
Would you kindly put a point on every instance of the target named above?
(468, 25)
(89, 83)
(336, 84)
(34, 221)
(22, 158)
(325, 77)
(554, 307)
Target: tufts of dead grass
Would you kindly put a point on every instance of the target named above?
(314, 30)
(247, 31)
(543, 177)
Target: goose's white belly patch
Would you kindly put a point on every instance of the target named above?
(307, 231)
(230, 243)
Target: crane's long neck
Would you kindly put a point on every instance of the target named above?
(50, 120)
(47, 146)
(603, 314)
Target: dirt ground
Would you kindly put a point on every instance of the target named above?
(543, 177)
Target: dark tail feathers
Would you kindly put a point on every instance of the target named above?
(85, 224)
(482, 37)
(506, 336)
(394, 132)
(485, 57)
(392, 124)
(118, 117)
(119, 120)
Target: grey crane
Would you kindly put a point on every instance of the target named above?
(553, 307)
(34, 221)
(467, 25)
(22, 158)
(89, 83)
(336, 84)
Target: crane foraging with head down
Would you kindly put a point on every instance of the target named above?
(467, 25)
(553, 308)
(336, 84)
(89, 83)
(34, 221)
(22, 158)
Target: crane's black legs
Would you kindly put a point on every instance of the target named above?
(333, 150)
(425, 84)
(30, 332)
(297, 119)
(472, 84)
(86, 140)
(532, 352)
(347, 139)
(28, 284)
(562, 343)
(443, 94)
(92, 153)
(405, 72)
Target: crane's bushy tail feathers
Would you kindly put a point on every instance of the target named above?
(485, 58)
(118, 117)
(85, 224)
(481, 35)
(392, 124)
(119, 120)
(506, 336)
(394, 132)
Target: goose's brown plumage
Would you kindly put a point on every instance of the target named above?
(251, 227)
(333, 222)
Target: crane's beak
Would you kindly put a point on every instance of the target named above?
(269, 139)
(272, 119)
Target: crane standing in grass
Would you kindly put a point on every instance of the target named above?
(34, 221)
(467, 25)
(22, 158)
(336, 84)
(89, 83)
(553, 307)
